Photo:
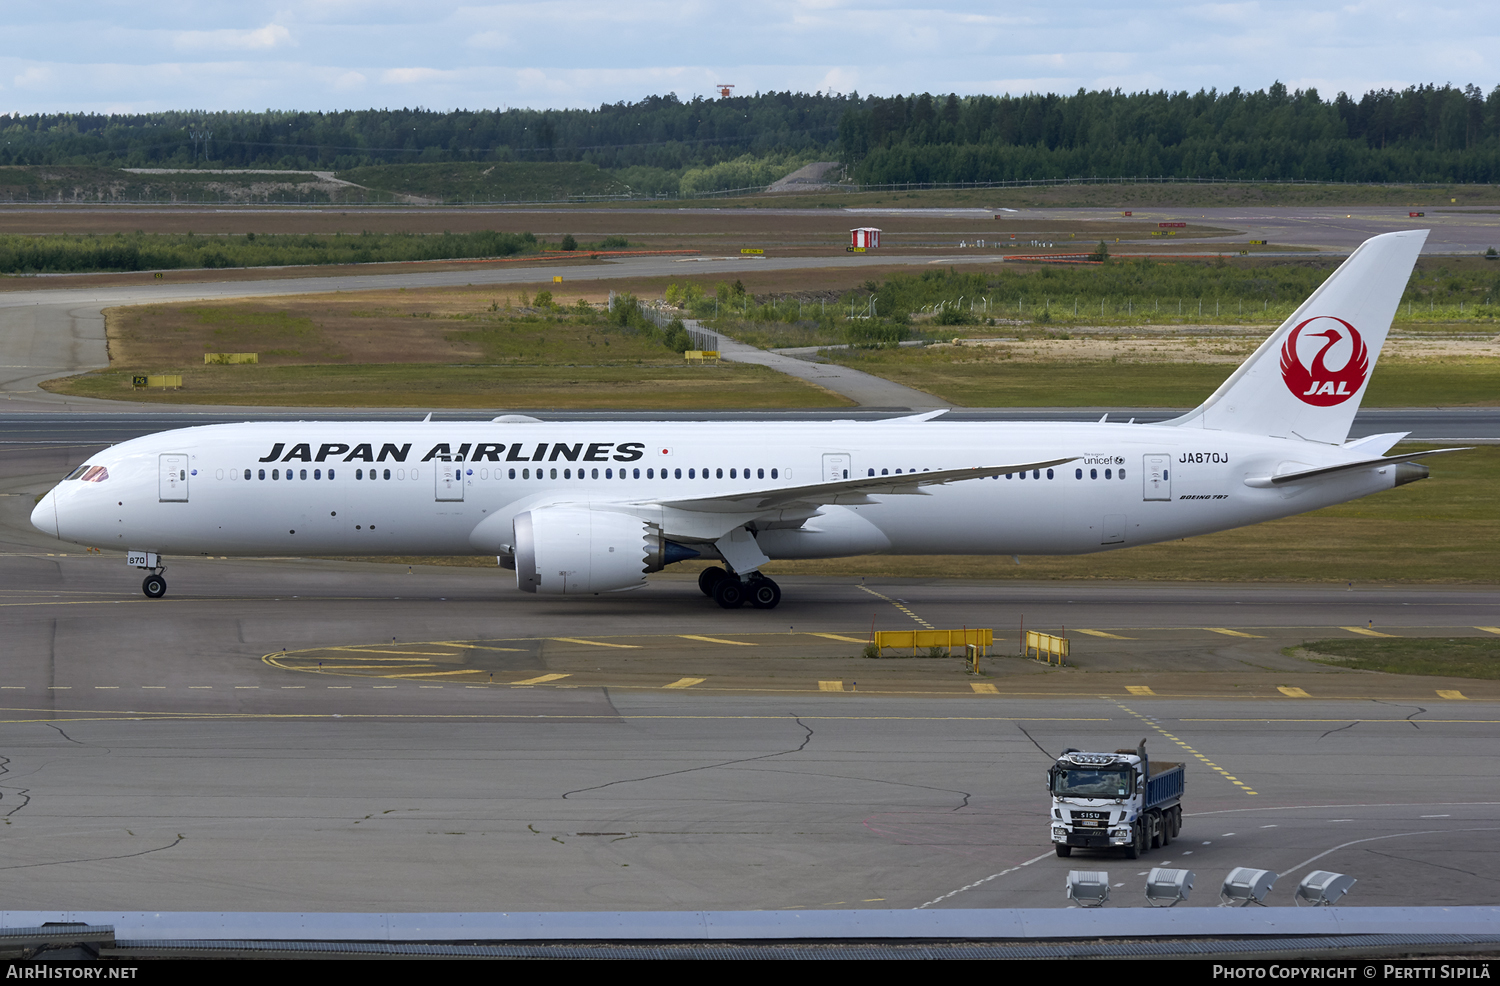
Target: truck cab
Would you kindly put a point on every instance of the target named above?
(1118, 800)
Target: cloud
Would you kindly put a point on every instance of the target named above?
(414, 76)
(258, 39)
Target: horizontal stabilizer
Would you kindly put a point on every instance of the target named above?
(1308, 475)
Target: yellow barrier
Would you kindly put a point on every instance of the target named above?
(702, 355)
(924, 639)
(1046, 646)
(225, 359)
(157, 380)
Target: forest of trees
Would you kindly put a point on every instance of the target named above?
(1423, 133)
(1420, 134)
(659, 132)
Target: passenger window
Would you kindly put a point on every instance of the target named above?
(1107, 474)
(1122, 473)
(650, 474)
(594, 474)
(554, 474)
(761, 473)
(676, 474)
(304, 473)
(731, 474)
(247, 473)
(718, 474)
(387, 474)
(317, 474)
(567, 474)
(1077, 473)
(275, 473)
(1049, 473)
(262, 474)
(330, 474)
(773, 473)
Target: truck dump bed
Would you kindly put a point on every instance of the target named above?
(1165, 783)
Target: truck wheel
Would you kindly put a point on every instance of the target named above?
(1133, 851)
(1157, 829)
(1166, 828)
(1062, 850)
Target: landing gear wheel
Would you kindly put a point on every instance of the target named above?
(155, 586)
(710, 577)
(730, 593)
(764, 594)
(1062, 850)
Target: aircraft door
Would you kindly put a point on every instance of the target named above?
(1158, 477)
(172, 475)
(835, 466)
(449, 477)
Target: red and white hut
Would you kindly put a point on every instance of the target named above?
(864, 238)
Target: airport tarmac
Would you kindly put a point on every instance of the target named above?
(257, 741)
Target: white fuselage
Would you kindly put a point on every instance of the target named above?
(368, 488)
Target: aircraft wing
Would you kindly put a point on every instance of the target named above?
(847, 490)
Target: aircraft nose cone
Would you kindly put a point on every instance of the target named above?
(44, 515)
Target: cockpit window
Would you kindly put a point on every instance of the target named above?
(88, 474)
(76, 472)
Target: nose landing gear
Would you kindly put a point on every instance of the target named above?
(155, 586)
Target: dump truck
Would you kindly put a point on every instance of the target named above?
(1120, 800)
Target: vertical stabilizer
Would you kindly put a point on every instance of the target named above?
(1307, 379)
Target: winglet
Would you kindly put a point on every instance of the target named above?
(924, 416)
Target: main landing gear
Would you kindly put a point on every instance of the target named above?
(730, 592)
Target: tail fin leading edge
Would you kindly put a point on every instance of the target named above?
(1308, 378)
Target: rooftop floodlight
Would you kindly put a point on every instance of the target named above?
(1245, 886)
(1089, 888)
(1321, 888)
(1166, 887)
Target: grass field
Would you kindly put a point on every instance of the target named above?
(986, 377)
(432, 385)
(1450, 657)
(439, 348)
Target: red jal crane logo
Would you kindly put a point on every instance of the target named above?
(1317, 384)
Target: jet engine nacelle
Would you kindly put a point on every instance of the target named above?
(568, 550)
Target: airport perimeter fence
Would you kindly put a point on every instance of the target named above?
(402, 200)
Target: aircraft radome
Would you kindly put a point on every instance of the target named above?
(591, 507)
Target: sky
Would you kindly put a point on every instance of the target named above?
(144, 55)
